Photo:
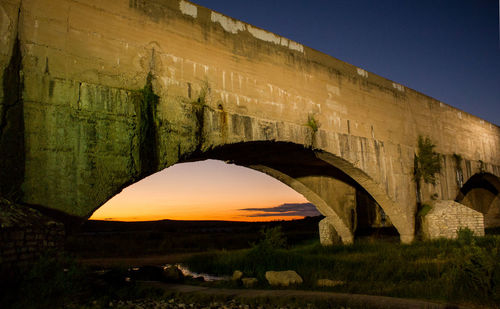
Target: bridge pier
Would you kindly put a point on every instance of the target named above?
(328, 235)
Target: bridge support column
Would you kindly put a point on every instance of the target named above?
(328, 236)
(406, 238)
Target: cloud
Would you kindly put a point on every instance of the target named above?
(285, 210)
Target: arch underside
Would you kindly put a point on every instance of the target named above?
(325, 180)
(482, 193)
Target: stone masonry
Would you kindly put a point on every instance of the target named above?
(447, 217)
(25, 235)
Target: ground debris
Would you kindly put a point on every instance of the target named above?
(173, 303)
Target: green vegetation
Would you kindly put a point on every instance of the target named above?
(426, 164)
(424, 210)
(427, 161)
(312, 123)
(122, 239)
(465, 269)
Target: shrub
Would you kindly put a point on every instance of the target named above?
(465, 236)
(474, 273)
(427, 161)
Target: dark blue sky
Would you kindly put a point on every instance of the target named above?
(448, 50)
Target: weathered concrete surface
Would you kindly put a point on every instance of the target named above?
(92, 124)
(328, 234)
(447, 217)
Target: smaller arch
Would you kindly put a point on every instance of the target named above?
(404, 224)
(481, 192)
(340, 227)
(295, 160)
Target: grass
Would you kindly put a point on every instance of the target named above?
(466, 269)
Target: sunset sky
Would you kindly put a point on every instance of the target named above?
(449, 50)
(205, 190)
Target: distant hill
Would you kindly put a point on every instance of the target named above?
(97, 238)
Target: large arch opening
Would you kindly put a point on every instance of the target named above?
(350, 200)
(206, 190)
(482, 193)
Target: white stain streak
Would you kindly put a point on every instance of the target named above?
(441, 104)
(273, 38)
(188, 9)
(235, 26)
(398, 87)
(362, 72)
(229, 24)
(459, 114)
(264, 35)
(296, 46)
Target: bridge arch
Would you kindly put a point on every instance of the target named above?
(481, 192)
(321, 177)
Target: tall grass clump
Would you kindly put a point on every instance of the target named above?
(475, 268)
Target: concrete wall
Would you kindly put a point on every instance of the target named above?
(89, 131)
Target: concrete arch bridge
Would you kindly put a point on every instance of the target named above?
(99, 94)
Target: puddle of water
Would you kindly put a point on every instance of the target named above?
(207, 277)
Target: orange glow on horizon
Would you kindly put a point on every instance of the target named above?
(207, 190)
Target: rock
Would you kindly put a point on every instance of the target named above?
(329, 283)
(249, 282)
(237, 275)
(172, 273)
(283, 278)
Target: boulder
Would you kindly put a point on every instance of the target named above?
(237, 275)
(249, 282)
(329, 283)
(283, 278)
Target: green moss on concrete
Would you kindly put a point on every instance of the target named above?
(12, 154)
(146, 102)
(199, 106)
